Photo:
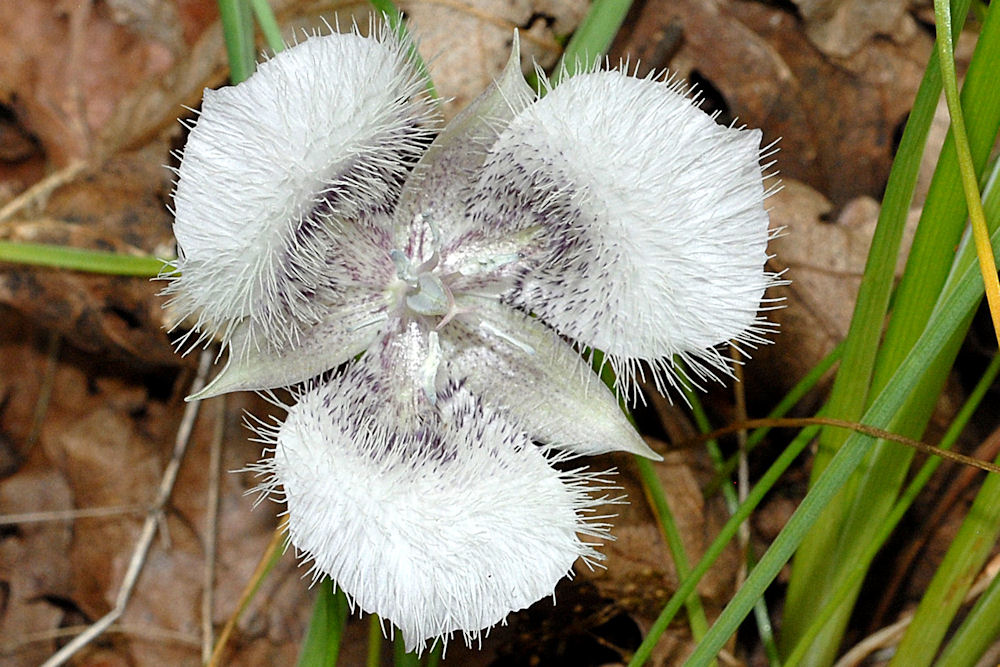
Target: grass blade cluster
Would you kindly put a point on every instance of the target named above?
(843, 535)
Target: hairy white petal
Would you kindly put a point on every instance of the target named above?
(444, 524)
(431, 210)
(322, 133)
(521, 366)
(649, 225)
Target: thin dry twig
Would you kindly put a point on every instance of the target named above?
(870, 431)
(743, 470)
(145, 632)
(278, 541)
(149, 527)
(42, 189)
(986, 451)
(69, 515)
(892, 634)
(211, 530)
(45, 391)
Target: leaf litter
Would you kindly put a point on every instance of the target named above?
(90, 397)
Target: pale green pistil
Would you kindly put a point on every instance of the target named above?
(425, 293)
(430, 296)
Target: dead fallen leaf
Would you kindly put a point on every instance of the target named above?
(842, 27)
(825, 260)
(65, 66)
(770, 76)
(640, 575)
(34, 562)
(467, 43)
(120, 208)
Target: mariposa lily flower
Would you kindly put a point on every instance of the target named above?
(317, 221)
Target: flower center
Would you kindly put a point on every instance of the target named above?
(425, 292)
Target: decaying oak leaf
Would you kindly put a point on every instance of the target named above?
(769, 75)
(120, 208)
(825, 259)
(842, 27)
(34, 563)
(65, 66)
(640, 576)
(467, 42)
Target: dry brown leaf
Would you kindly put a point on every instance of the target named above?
(640, 575)
(65, 66)
(467, 43)
(842, 27)
(119, 208)
(34, 562)
(825, 260)
(836, 120)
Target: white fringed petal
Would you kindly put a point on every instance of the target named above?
(648, 229)
(521, 366)
(323, 133)
(445, 526)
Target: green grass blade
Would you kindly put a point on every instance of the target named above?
(326, 628)
(789, 401)
(981, 527)
(394, 18)
(942, 220)
(374, 656)
(965, 558)
(78, 259)
(968, 171)
(268, 25)
(237, 28)
(811, 577)
(718, 545)
(859, 569)
(977, 633)
(658, 501)
(927, 270)
(945, 323)
(761, 614)
(437, 650)
(400, 656)
(592, 37)
(392, 14)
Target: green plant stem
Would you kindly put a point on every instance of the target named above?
(401, 658)
(953, 578)
(394, 18)
(78, 259)
(326, 628)
(434, 659)
(661, 509)
(761, 615)
(374, 658)
(658, 501)
(593, 37)
(814, 572)
(966, 167)
(801, 388)
(978, 631)
(718, 545)
(927, 271)
(237, 27)
(860, 568)
(268, 25)
(945, 323)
